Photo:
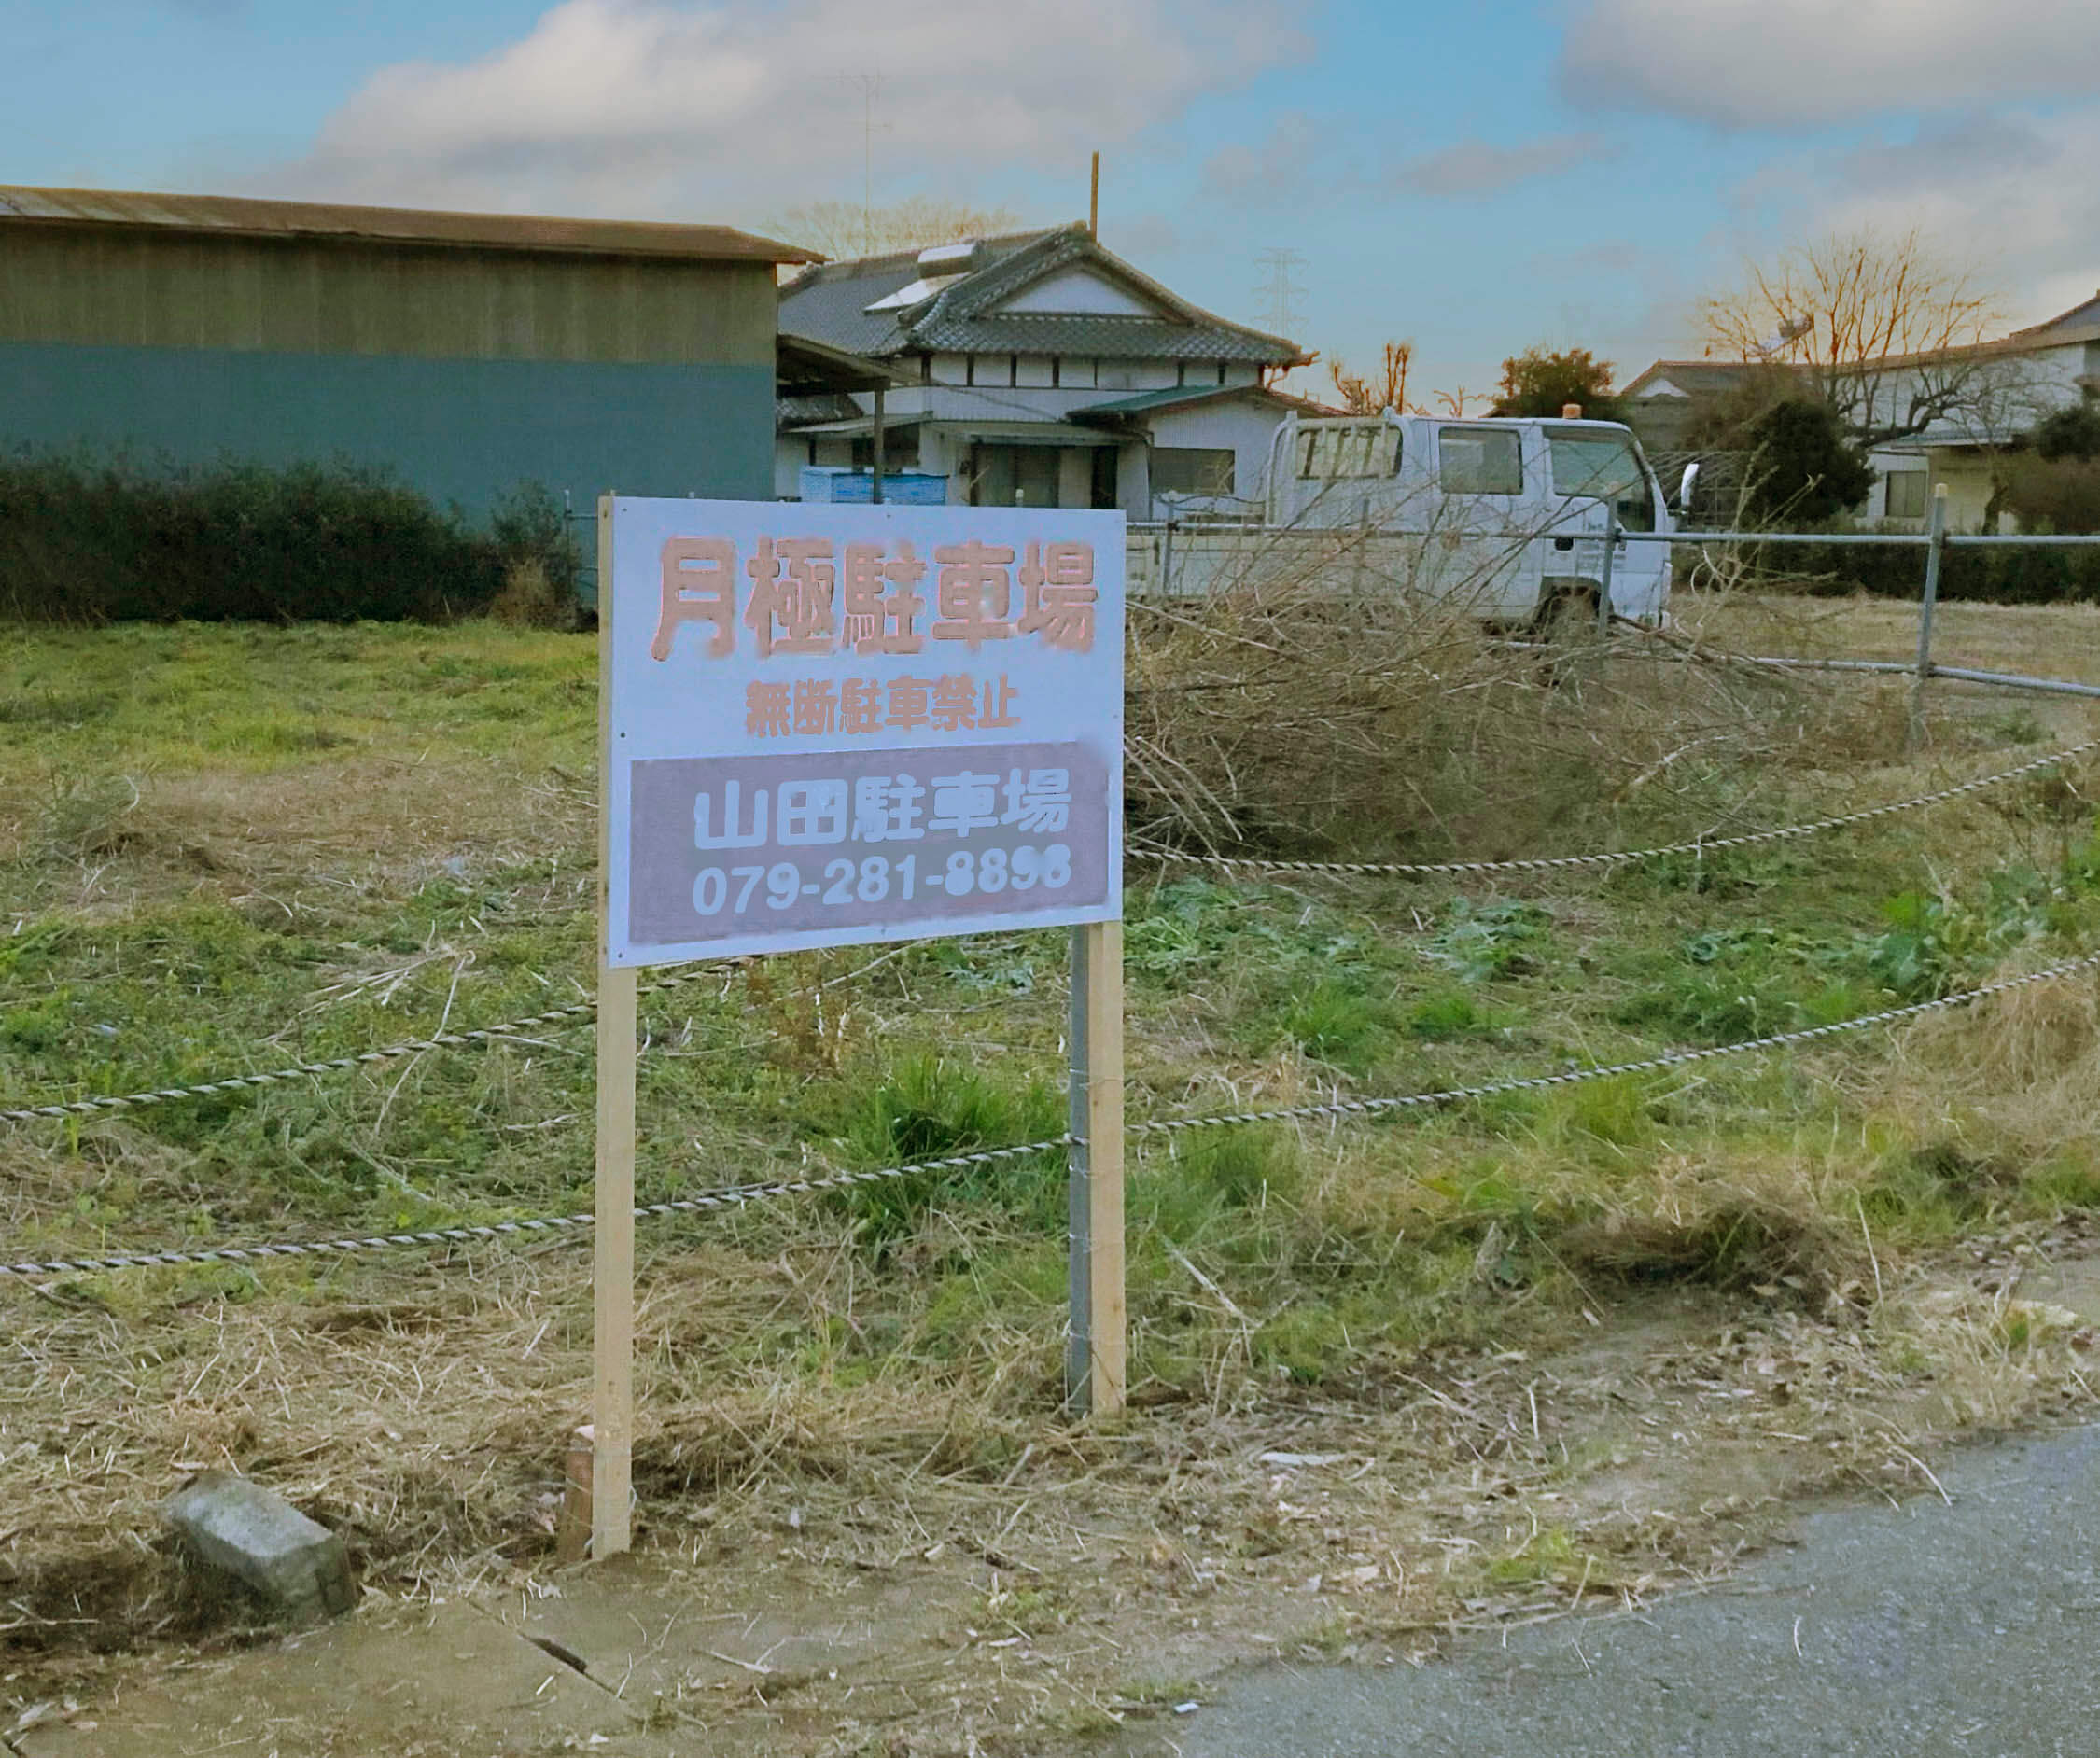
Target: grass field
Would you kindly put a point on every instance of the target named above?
(229, 849)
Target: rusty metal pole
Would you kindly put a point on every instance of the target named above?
(1604, 579)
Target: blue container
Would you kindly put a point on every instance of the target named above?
(833, 485)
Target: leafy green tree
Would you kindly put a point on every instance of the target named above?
(1542, 381)
(2070, 433)
(1804, 470)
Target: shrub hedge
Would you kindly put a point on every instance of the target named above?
(2004, 577)
(86, 541)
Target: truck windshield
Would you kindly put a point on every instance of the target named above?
(1589, 465)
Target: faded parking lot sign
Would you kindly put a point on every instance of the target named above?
(834, 724)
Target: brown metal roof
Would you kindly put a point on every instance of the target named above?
(238, 216)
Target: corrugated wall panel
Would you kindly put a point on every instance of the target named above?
(95, 289)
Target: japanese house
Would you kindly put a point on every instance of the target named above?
(1040, 369)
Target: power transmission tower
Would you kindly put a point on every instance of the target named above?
(871, 88)
(1279, 293)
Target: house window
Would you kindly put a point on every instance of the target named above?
(1192, 469)
(1479, 461)
(1907, 494)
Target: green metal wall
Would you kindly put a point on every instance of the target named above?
(463, 371)
(456, 430)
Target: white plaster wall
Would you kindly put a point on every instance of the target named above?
(1245, 425)
(1078, 290)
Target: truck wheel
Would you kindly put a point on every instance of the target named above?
(1567, 613)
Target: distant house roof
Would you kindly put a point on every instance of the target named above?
(950, 302)
(238, 216)
(1692, 378)
(2081, 323)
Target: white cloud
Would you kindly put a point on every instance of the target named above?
(1478, 167)
(730, 109)
(1757, 63)
(1277, 170)
(2011, 196)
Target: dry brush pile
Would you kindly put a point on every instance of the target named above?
(1279, 716)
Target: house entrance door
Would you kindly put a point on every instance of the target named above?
(1015, 476)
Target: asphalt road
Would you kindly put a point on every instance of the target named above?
(1929, 1631)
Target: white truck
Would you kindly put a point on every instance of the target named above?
(1507, 517)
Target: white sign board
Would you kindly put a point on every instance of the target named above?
(838, 724)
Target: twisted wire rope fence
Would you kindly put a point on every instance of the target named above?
(743, 1195)
(576, 1012)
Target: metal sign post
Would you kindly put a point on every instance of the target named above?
(831, 725)
(1936, 546)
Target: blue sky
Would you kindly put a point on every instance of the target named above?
(1478, 178)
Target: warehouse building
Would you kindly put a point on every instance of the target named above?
(466, 353)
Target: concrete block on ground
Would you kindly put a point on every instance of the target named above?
(299, 1568)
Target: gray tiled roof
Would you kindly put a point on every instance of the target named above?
(1696, 378)
(1187, 396)
(829, 304)
(797, 411)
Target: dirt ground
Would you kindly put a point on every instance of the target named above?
(1109, 1573)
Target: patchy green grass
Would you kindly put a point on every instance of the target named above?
(231, 849)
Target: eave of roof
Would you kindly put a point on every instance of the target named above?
(1183, 397)
(804, 367)
(238, 216)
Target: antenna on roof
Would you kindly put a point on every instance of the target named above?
(1094, 204)
(1791, 329)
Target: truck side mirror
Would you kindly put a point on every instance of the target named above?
(1685, 484)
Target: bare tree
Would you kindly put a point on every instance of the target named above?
(1454, 402)
(848, 229)
(1385, 388)
(1876, 324)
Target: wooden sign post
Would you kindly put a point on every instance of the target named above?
(612, 1289)
(1095, 1373)
(833, 725)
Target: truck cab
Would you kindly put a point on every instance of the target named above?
(1506, 515)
